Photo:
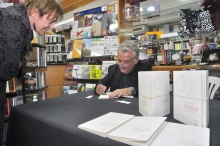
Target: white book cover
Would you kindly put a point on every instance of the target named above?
(154, 93)
(111, 45)
(73, 33)
(75, 24)
(190, 97)
(106, 123)
(79, 33)
(174, 134)
(159, 106)
(153, 84)
(77, 71)
(97, 47)
(105, 65)
(191, 84)
(191, 111)
(81, 71)
(138, 130)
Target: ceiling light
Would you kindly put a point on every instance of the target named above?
(150, 9)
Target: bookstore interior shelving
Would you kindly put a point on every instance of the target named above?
(168, 43)
(34, 78)
(31, 86)
(21, 90)
(58, 52)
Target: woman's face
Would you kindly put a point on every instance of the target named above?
(44, 23)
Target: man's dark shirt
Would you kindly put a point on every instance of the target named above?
(115, 79)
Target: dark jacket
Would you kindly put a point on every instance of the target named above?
(15, 38)
(114, 76)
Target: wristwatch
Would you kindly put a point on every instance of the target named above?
(133, 91)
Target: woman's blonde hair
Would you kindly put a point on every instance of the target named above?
(45, 7)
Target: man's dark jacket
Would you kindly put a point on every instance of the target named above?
(114, 77)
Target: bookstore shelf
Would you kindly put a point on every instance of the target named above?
(11, 94)
(57, 63)
(171, 15)
(34, 76)
(36, 90)
(83, 80)
(106, 57)
(37, 45)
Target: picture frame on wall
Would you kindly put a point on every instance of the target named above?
(211, 56)
(132, 10)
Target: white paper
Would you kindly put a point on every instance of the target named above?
(174, 134)
(107, 97)
(138, 128)
(106, 123)
(123, 101)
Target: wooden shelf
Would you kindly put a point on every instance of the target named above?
(182, 67)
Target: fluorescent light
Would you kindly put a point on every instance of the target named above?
(141, 9)
(151, 8)
(63, 22)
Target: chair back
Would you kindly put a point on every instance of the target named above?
(214, 84)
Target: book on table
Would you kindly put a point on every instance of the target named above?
(146, 131)
(154, 93)
(190, 97)
(105, 124)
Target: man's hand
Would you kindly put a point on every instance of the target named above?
(100, 89)
(120, 92)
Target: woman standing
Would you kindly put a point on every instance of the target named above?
(17, 23)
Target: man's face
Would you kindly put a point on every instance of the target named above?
(126, 62)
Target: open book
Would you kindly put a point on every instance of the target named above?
(105, 124)
(146, 131)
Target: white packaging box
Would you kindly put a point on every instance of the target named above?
(191, 103)
(154, 93)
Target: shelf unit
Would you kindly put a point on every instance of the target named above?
(55, 48)
(33, 77)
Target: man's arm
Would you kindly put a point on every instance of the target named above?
(120, 92)
(106, 81)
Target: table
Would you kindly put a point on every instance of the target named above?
(54, 122)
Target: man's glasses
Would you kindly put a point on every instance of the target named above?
(125, 63)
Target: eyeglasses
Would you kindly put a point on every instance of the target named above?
(125, 63)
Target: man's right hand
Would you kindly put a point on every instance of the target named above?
(100, 89)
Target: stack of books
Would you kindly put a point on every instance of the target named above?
(146, 131)
(154, 93)
(191, 103)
